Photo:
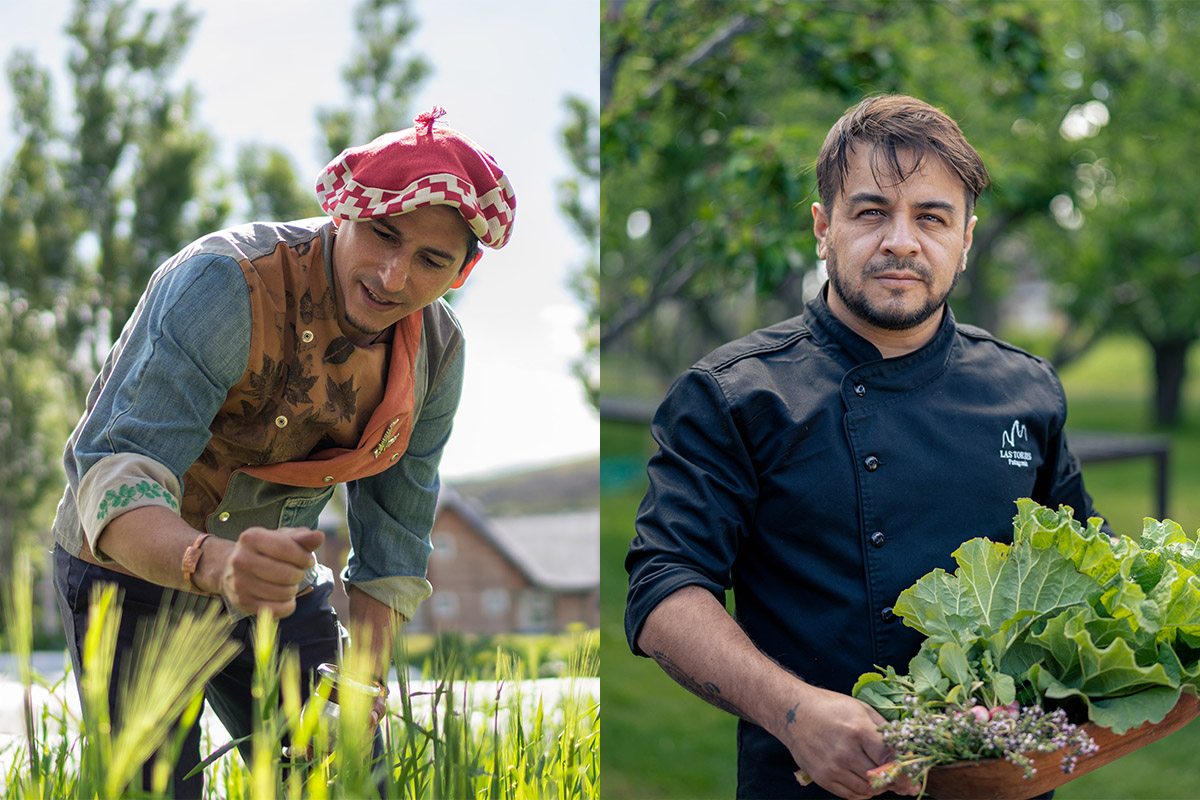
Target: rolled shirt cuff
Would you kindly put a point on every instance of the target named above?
(118, 484)
(401, 593)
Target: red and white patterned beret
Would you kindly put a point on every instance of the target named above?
(421, 166)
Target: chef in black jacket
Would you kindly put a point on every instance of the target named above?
(821, 466)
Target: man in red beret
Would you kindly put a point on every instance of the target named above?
(264, 365)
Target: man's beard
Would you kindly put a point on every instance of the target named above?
(358, 327)
(885, 318)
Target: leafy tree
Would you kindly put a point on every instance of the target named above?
(99, 204)
(268, 178)
(380, 81)
(135, 157)
(32, 425)
(88, 211)
(1122, 239)
(712, 114)
(580, 138)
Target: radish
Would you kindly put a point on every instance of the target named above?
(1004, 711)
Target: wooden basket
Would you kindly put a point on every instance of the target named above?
(997, 779)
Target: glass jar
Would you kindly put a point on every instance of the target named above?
(323, 704)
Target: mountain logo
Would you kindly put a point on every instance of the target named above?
(1014, 445)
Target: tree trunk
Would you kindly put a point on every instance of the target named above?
(981, 307)
(1170, 367)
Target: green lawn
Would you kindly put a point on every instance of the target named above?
(660, 742)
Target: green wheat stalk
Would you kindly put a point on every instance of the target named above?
(173, 659)
(18, 611)
(553, 754)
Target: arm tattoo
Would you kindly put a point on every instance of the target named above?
(791, 716)
(708, 692)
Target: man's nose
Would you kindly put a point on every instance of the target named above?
(393, 272)
(900, 238)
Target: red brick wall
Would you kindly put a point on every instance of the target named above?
(476, 589)
(464, 565)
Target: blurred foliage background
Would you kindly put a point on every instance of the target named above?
(1084, 112)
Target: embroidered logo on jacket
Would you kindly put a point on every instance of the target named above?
(1011, 442)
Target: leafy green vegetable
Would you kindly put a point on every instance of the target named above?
(1064, 614)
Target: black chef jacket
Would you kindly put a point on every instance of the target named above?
(818, 481)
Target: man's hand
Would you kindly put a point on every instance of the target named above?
(832, 737)
(835, 741)
(264, 568)
(373, 628)
(378, 712)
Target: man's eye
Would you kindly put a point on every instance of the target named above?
(870, 212)
(384, 234)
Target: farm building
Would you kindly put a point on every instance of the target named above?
(518, 554)
(532, 573)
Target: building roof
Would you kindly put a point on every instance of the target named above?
(558, 551)
(564, 486)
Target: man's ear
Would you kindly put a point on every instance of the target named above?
(969, 233)
(465, 272)
(820, 227)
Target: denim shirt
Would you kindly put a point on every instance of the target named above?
(149, 411)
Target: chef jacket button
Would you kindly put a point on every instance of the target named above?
(223, 516)
(887, 615)
(877, 538)
(871, 463)
(306, 337)
(859, 389)
(281, 421)
(328, 479)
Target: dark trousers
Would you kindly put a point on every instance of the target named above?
(312, 631)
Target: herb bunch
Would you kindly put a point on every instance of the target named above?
(926, 736)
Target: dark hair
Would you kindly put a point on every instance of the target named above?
(472, 250)
(892, 123)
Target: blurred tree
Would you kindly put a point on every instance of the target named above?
(98, 205)
(33, 422)
(135, 157)
(380, 82)
(713, 112)
(268, 177)
(87, 213)
(578, 200)
(1122, 239)
(381, 79)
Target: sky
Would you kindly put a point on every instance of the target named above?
(501, 70)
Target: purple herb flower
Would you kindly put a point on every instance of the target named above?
(927, 736)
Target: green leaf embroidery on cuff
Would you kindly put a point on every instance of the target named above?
(123, 496)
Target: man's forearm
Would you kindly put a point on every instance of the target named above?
(705, 651)
(261, 571)
(375, 622)
(833, 737)
(150, 542)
